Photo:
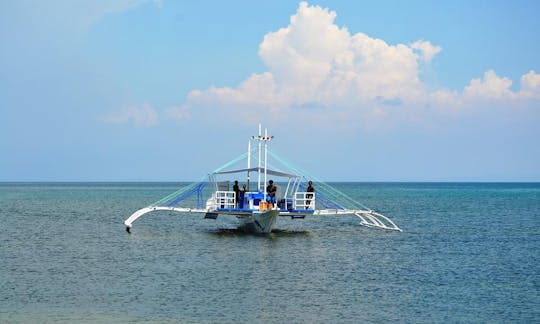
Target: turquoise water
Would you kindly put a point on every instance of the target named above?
(469, 252)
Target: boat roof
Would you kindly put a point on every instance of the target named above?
(261, 170)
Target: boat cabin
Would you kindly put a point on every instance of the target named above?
(290, 197)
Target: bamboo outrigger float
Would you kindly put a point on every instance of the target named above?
(255, 208)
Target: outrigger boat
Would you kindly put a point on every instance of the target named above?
(253, 207)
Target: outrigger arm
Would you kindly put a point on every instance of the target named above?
(128, 222)
(368, 218)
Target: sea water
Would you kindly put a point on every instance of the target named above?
(469, 252)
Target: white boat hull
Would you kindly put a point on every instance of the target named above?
(260, 222)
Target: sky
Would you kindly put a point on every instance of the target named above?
(352, 90)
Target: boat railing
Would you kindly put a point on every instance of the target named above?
(225, 199)
(304, 200)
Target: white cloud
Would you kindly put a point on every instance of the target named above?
(144, 116)
(530, 85)
(312, 60)
(490, 87)
(427, 50)
(321, 72)
(301, 55)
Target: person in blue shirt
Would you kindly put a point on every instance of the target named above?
(241, 198)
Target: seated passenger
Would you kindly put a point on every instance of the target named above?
(309, 196)
(271, 192)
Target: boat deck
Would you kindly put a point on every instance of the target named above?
(282, 212)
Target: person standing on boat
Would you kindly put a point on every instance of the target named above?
(236, 190)
(271, 192)
(242, 195)
(309, 196)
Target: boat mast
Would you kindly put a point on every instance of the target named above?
(249, 163)
(259, 169)
(265, 138)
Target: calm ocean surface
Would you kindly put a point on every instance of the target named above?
(469, 252)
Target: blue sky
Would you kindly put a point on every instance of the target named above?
(352, 90)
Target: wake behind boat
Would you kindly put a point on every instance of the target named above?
(258, 208)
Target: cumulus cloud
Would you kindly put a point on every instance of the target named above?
(530, 85)
(317, 69)
(491, 86)
(426, 49)
(313, 60)
(143, 116)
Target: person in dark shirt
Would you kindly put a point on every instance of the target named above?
(309, 196)
(271, 192)
(236, 190)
